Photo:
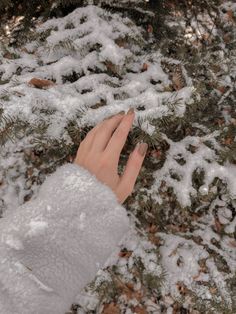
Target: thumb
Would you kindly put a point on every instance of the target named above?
(132, 169)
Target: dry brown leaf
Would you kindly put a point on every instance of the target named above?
(156, 153)
(154, 239)
(24, 50)
(218, 225)
(127, 289)
(144, 67)
(30, 172)
(8, 55)
(230, 15)
(227, 38)
(213, 290)
(228, 141)
(175, 228)
(112, 67)
(130, 294)
(221, 89)
(150, 28)
(220, 122)
(181, 287)
(125, 254)
(152, 228)
(70, 158)
(205, 36)
(130, 285)
(41, 83)
(111, 308)
(138, 295)
(232, 243)
(121, 42)
(139, 310)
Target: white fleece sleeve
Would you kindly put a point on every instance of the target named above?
(52, 246)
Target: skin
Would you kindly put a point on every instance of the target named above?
(100, 152)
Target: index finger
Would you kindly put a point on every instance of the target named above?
(119, 137)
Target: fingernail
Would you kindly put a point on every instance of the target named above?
(121, 112)
(142, 148)
(130, 111)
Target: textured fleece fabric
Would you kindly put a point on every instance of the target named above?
(52, 246)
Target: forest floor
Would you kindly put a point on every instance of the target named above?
(177, 69)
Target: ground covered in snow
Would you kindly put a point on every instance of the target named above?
(180, 78)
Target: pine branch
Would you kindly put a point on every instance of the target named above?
(11, 128)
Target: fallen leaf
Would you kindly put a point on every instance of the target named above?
(221, 89)
(232, 243)
(228, 141)
(121, 42)
(181, 287)
(213, 290)
(154, 239)
(218, 225)
(150, 28)
(144, 67)
(41, 83)
(8, 55)
(24, 50)
(230, 15)
(152, 228)
(206, 37)
(156, 153)
(112, 67)
(220, 122)
(139, 310)
(125, 254)
(111, 308)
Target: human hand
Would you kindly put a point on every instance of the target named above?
(100, 152)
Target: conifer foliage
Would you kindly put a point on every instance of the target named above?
(174, 62)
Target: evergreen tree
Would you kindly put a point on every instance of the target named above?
(175, 63)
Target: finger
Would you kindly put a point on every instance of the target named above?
(104, 132)
(85, 145)
(118, 139)
(132, 169)
(88, 140)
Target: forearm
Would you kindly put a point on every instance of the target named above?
(65, 235)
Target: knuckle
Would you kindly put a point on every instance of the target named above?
(135, 160)
(103, 130)
(103, 163)
(128, 188)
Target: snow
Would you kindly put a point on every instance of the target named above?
(231, 227)
(203, 159)
(177, 248)
(14, 243)
(37, 227)
(219, 281)
(49, 62)
(111, 74)
(40, 284)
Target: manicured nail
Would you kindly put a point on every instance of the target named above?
(130, 111)
(121, 112)
(142, 148)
